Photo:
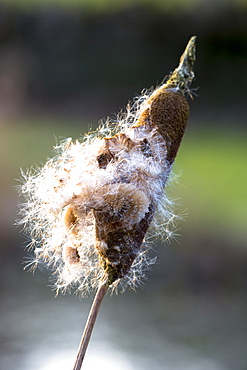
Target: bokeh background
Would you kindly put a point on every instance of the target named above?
(64, 65)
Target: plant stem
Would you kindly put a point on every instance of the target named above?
(90, 324)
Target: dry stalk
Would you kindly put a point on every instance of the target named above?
(90, 325)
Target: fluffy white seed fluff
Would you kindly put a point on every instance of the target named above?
(73, 185)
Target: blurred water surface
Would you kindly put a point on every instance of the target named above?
(149, 329)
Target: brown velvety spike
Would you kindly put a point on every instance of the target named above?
(119, 248)
(163, 120)
(168, 110)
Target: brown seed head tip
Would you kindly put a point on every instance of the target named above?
(183, 75)
(167, 109)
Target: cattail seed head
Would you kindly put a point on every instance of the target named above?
(89, 208)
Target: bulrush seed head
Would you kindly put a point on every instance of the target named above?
(89, 208)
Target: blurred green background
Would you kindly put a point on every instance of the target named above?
(64, 65)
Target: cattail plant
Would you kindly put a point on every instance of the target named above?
(92, 209)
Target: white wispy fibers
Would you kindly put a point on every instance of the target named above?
(73, 180)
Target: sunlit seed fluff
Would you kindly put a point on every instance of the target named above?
(89, 208)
